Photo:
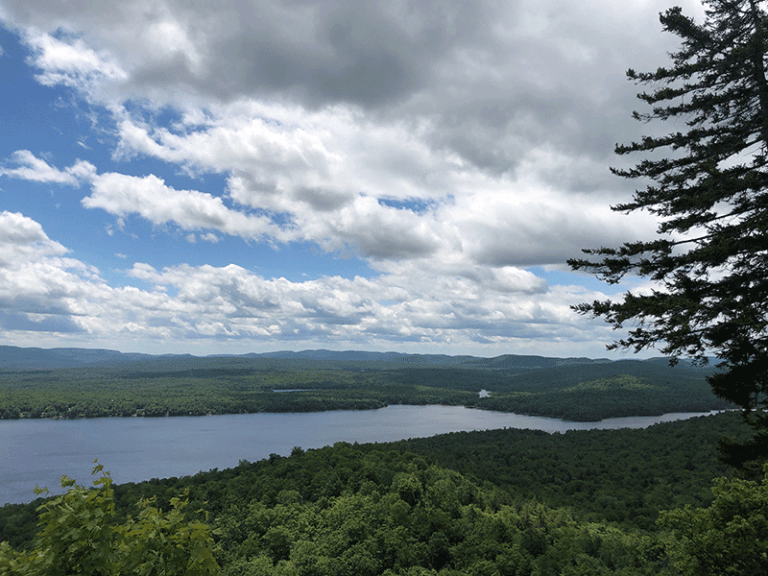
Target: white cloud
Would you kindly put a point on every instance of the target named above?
(450, 145)
(41, 290)
(242, 304)
(61, 59)
(37, 170)
(150, 198)
(484, 151)
(71, 62)
(39, 287)
(308, 165)
(22, 238)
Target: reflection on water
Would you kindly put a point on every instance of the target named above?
(38, 452)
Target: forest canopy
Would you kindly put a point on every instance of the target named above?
(579, 389)
(407, 508)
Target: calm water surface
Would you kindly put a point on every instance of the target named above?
(38, 452)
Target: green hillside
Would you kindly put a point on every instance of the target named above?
(574, 389)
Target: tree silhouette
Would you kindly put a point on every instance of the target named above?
(708, 184)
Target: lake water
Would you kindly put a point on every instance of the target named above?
(38, 452)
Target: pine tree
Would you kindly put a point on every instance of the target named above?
(708, 184)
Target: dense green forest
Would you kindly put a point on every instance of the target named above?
(503, 502)
(573, 389)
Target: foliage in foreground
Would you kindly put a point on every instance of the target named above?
(399, 516)
(79, 535)
(728, 537)
(375, 510)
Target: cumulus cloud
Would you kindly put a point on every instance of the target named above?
(236, 303)
(41, 289)
(22, 238)
(150, 198)
(37, 281)
(448, 145)
(29, 167)
(487, 81)
(69, 60)
(321, 51)
(319, 112)
(308, 164)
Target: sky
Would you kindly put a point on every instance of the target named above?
(254, 175)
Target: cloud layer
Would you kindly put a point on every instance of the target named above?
(43, 290)
(450, 146)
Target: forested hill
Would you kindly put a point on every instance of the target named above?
(76, 383)
(398, 359)
(13, 358)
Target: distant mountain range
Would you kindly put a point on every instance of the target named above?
(14, 358)
(501, 362)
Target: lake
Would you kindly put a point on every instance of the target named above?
(38, 452)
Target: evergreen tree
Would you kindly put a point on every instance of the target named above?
(708, 184)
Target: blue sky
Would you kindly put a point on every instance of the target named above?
(277, 175)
